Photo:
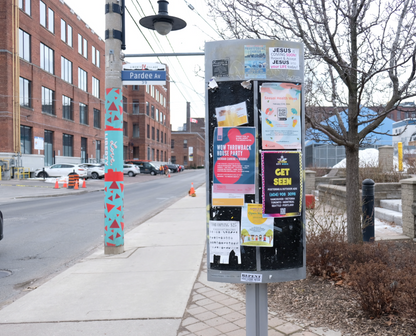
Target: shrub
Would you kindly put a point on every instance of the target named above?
(376, 286)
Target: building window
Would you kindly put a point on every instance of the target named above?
(42, 13)
(82, 46)
(148, 131)
(48, 98)
(46, 16)
(147, 108)
(24, 45)
(83, 114)
(95, 56)
(125, 105)
(157, 114)
(161, 137)
(157, 135)
(68, 144)
(185, 160)
(24, 5)
(136, 108)
(157, 155)
(82, 79)
(46, 58)
(153, 154)
(165, 139)
(66, 70)
(147, 88)
(161, 117)
(95, 87)
(185, 143)
(25, 92)
(98, 150)
(25, 139)
(51, 21)
(135, 87)
(67, 108)
(66, 33)
(153, 133)
(173, 159)
(152, 111)
(125, 125)
(172, 143)
(136, 131)
(97, 118)
(153, 91)
(148, 153)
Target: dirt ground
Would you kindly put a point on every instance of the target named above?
(328, 305)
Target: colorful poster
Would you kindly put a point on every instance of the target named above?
(284, 58)
(282, 184)
(256, 230)
(234, 163)
(281, 116)
(224, 238)
(232, 115)
(190, 153)
(255, 61)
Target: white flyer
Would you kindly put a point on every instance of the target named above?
(224, 237)
(284, 58)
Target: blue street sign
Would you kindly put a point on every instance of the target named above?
(143, 77)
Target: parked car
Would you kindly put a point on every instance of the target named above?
(95, 170)
(131, 170)
(173, 167)
(145, 167)
(1, 226)
(62, 169)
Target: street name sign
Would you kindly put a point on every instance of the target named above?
(144, 73)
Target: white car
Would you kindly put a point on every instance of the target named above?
(131, 170)
(95, 170)
(62, 169)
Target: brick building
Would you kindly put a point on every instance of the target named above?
(147, 122)
(188, 149)
(52, 91)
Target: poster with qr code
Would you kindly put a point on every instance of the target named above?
(281, 115)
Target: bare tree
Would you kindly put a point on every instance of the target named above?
(357, 53)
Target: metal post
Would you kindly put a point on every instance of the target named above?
(256, 310)
(114, 178)
(368, 210)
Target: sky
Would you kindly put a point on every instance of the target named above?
(188, 85)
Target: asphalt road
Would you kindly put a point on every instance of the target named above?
(43, 236)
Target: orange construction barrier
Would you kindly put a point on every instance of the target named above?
(84, 185)
(56, 184)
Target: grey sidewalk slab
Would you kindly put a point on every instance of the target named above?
(152, 279)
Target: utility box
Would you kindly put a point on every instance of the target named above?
(255, 128)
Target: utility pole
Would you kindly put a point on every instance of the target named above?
(114, 178)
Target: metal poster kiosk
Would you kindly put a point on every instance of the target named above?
(254, 144)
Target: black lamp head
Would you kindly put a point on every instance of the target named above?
(163, 23)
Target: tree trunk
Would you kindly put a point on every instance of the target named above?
(354, 232)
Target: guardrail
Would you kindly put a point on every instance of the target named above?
(22, 173)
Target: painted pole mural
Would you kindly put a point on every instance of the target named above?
(114, 178)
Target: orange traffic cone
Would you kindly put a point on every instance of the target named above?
(192, 191)
(84, 185)
(76, 185)
(169, 175)
(65, 185)
(56, 184)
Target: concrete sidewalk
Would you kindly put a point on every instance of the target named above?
(156, 287)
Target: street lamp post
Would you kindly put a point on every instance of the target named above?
(113, 157)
